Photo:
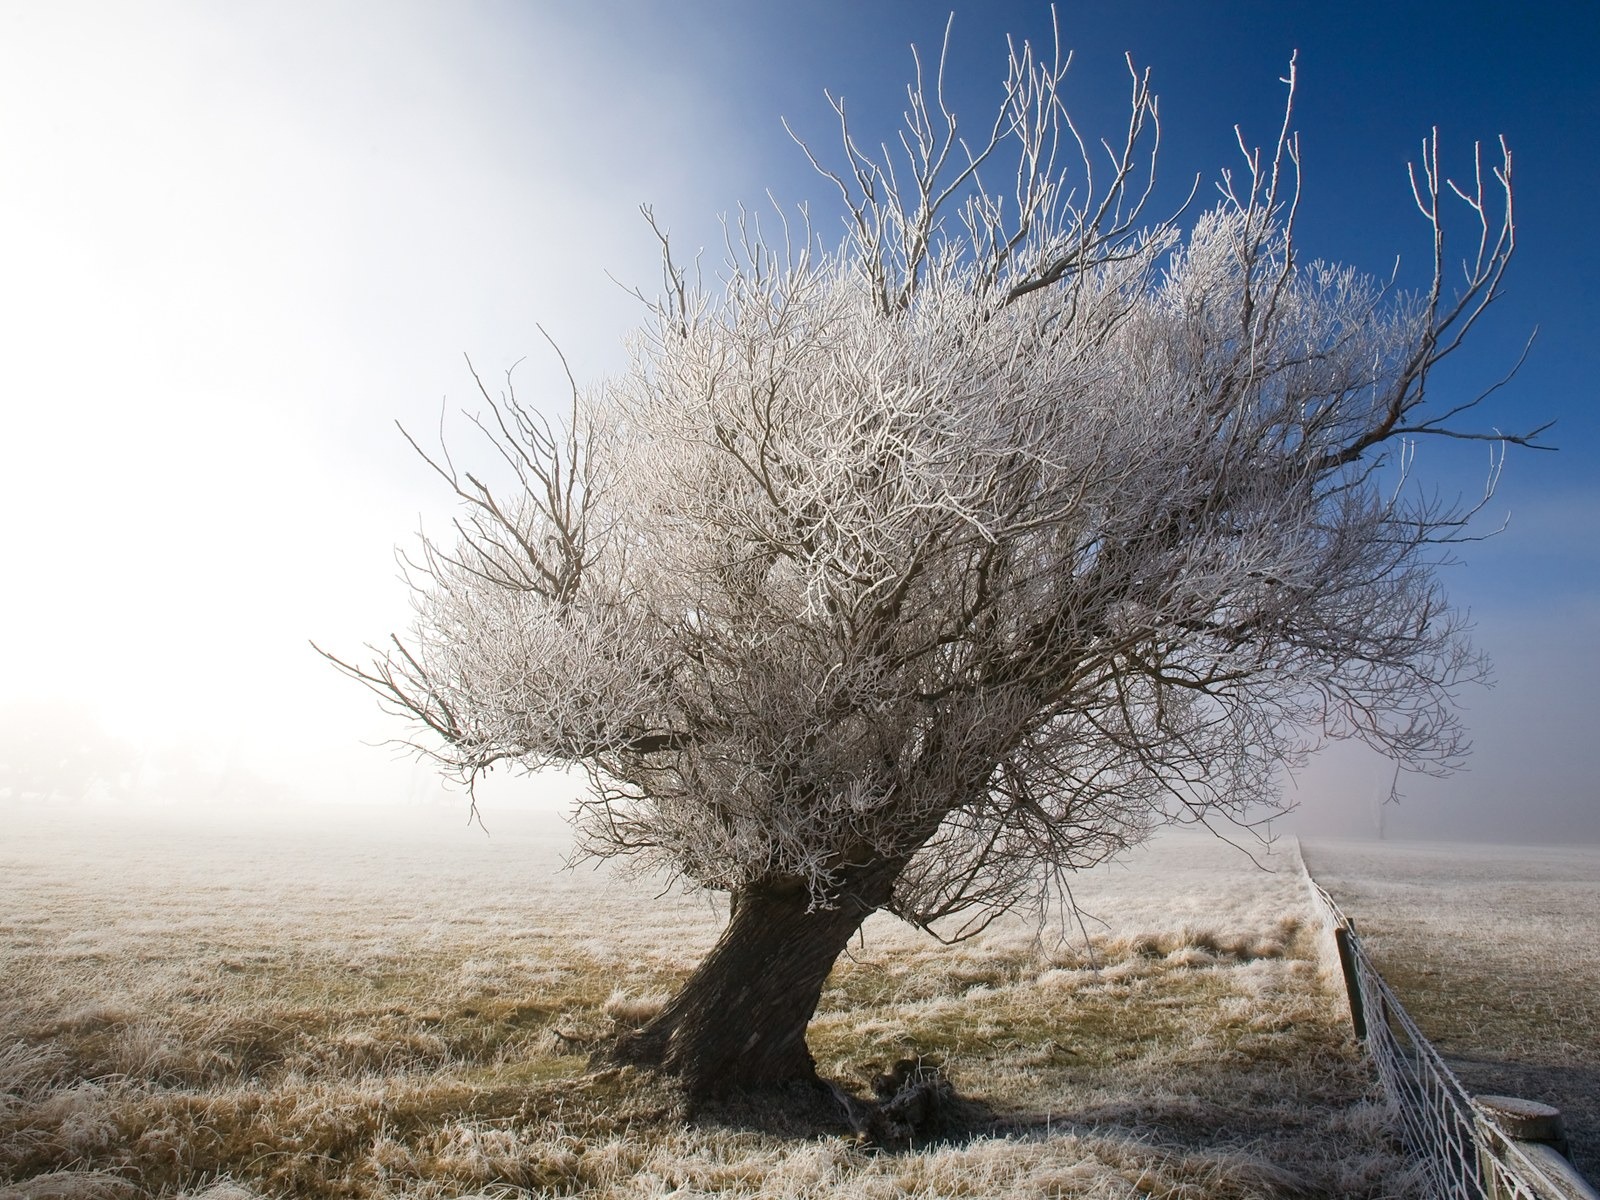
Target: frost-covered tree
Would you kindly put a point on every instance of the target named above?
(913, 572)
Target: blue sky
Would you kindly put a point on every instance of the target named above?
(238, 241)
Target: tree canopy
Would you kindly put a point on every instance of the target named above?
(912, 571)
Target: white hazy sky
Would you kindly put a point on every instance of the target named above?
(237, 241)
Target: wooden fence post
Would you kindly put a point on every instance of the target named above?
(1352, 979)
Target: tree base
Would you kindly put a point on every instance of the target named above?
(739, 1022)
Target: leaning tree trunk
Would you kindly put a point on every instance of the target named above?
(740, 1021)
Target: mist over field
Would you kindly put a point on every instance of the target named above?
(1529, 779)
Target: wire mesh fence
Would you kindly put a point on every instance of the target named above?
(1464, 1152)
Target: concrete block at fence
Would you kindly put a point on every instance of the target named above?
(1525, 1120)
(1539, 1144)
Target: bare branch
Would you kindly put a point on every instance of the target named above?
(966, 553)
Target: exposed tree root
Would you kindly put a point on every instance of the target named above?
(912, 1104)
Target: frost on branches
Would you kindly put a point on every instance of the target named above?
(913, 573)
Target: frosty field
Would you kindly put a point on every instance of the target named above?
(379, 1007)
(1496, 952)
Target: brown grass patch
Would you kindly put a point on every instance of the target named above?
(382, 1021)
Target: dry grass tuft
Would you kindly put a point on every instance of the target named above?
(633, 1011)
(387, 1012)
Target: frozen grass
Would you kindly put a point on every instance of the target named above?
(381, 1010)
(1495, 951)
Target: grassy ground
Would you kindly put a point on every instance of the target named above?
(1495, 952)
(378, 1010)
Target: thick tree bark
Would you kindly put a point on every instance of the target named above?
(740, 1021)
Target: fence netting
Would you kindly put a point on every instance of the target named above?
(1463, 1152)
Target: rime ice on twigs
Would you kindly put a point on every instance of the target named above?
(917, 571)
